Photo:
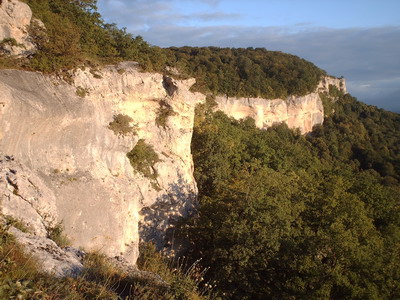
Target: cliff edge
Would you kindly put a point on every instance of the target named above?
(302, 112)
(63, 135)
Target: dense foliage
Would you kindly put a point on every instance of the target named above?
(284, 216)
(246, 72)
(76, 35)
(142, 158)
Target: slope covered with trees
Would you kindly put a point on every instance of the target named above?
(285, 216)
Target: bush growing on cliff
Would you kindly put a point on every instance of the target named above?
(163, 113)
(56, 233)
(142, 158)
(121, 125)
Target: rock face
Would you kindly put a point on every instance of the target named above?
(297, 112)
(25, 198)
(92, 188)
(15, 19)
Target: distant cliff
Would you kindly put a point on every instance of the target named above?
(302, 112)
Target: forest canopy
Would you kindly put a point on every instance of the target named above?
(286, 216)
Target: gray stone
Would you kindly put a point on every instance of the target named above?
(65, 140)
(53, 260)
(15, 19)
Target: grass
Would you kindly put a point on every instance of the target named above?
(185, 281)
(21, 278)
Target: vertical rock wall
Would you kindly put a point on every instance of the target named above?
(302, 112)
(65, 140)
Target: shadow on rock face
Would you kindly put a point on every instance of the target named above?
(169, 85)
(158, 220)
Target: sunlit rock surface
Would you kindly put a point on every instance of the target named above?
(65, 140)
(302, 112)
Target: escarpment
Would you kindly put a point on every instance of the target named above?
(302, 112)
(107, 154)
(74, 139)
(61, 132)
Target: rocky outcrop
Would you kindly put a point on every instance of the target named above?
(60, 262)
(297, 112)
(15, 19)
(60, 132)
(27, 200)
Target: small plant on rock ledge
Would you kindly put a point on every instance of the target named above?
(142, 158)
(82, 92)
(10, 42)
(17, 223)
(56, 233)
(163, 113)
(121, 125)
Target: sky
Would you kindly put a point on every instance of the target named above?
(357, 39)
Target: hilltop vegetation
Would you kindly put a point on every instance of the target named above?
(75, 35)
(246, 72)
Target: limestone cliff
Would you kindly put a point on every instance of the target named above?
(64, 139)
(81, 175)
(61, 162)
(302, 112)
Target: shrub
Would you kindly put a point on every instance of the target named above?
(142, 158)
(121, 125)
(334, 91)
(163, 113)
(17, 223)
(82, 92)
(10, 42)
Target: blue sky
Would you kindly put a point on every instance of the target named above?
(357, 39)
